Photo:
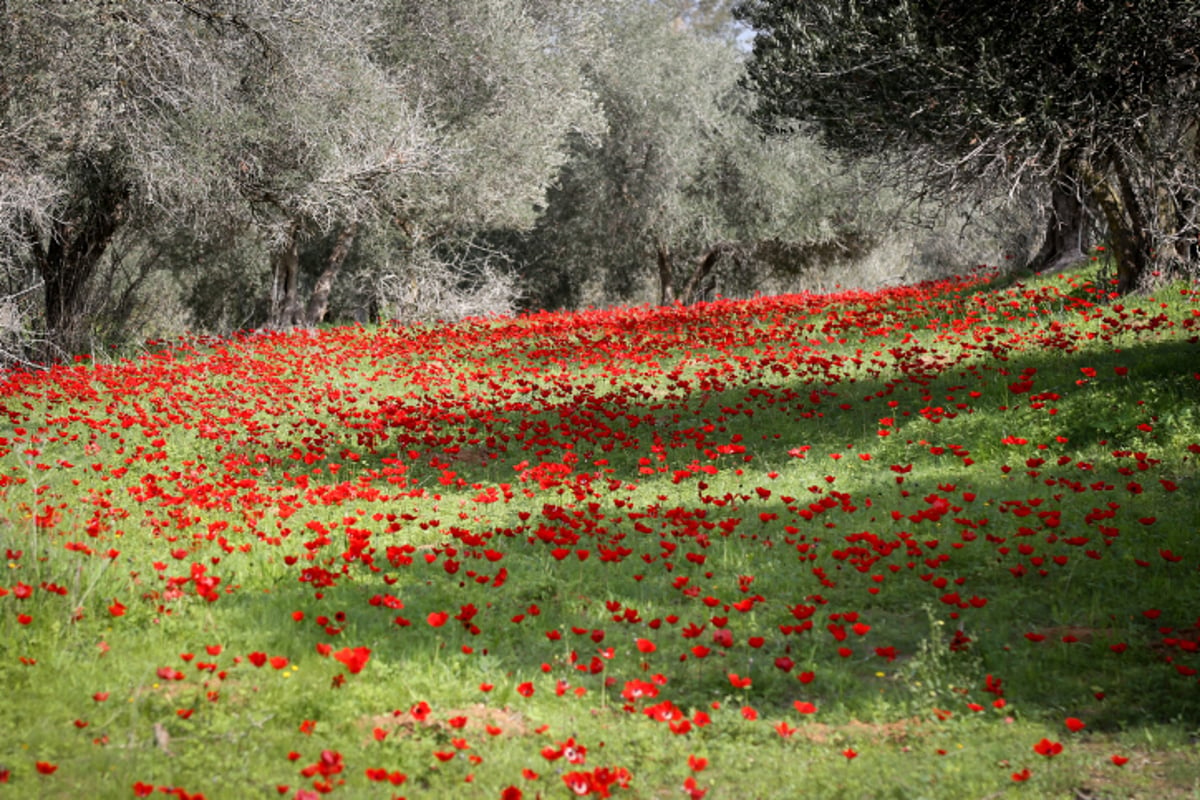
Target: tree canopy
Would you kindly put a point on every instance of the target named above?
(285, 121)
(1097, 99)
(679, 180)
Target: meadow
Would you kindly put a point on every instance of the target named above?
(934, 541)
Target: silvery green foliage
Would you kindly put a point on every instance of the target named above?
(121, 117)
(679, 174)
(499, 89)
(282, 122)
(503, 82)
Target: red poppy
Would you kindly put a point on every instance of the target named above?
(692, 789)
(1047, 748)
(353, 658)
(738, 682)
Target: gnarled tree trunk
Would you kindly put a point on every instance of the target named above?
(690, 293)
(692, 290)
(1065, 241)
(66, 261)
(286, 308)
(1128, 230)
(666, 275)
(318, 302)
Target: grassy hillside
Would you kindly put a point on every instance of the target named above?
(934, 541)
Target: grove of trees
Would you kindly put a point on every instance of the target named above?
(219, 164)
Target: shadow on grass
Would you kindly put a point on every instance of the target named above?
(1097, 654)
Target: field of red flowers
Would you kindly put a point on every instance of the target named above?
(931, 541)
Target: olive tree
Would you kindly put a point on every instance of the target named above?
(90, 105)
(325, 142)
(679, 181)
(118, 117)
(433, 122)
(290, 123)
(1089, 99)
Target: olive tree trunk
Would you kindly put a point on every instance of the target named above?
(286, 309)
(692, 290)
(1128, 230)
(318, 302)
(1066, 239)
(66, 261)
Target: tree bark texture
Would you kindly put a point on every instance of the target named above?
(318, 302)
(692, 290)
(286, 309)
(666, 277)
(1127, 226)
(66, 262)
(1065, 240)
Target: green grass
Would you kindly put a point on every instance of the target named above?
(996, 484)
